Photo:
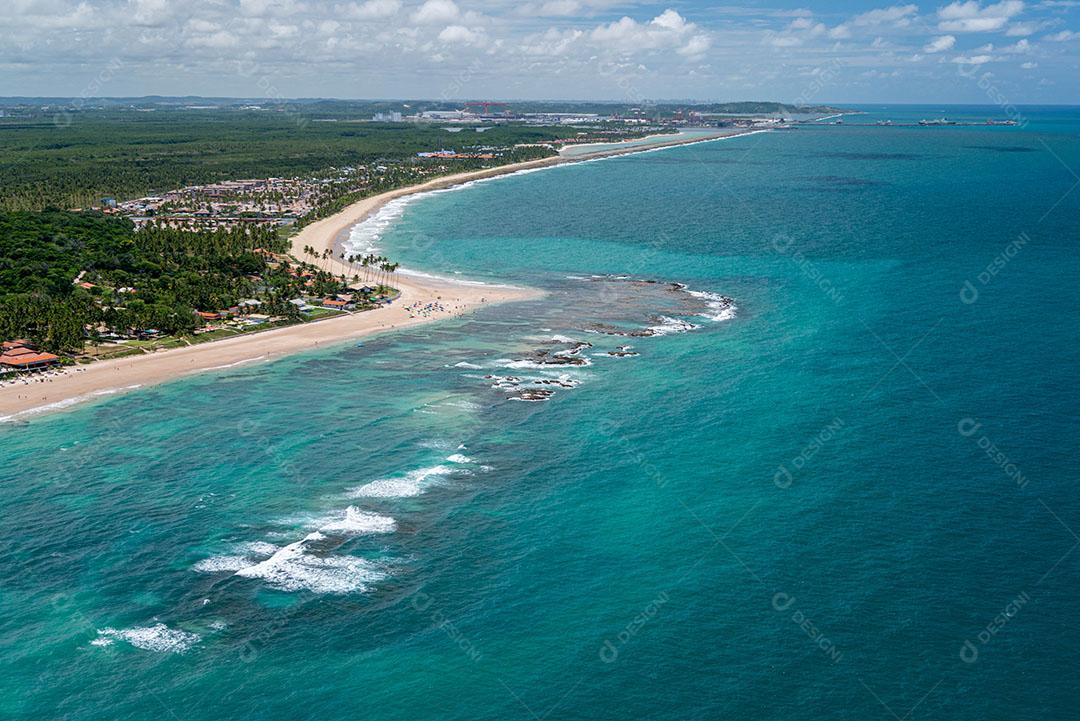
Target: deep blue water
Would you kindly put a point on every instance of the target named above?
(855, 499)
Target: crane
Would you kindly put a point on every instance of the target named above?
(487, 105)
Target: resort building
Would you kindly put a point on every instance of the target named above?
(20, 355)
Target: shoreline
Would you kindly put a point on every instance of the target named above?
(47, 393)
(43, 393)
(329, 233)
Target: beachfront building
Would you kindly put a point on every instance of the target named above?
(20, 355)
(333, 303)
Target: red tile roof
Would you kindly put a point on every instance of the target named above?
(26, 360)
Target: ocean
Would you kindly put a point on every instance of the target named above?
(791, 435)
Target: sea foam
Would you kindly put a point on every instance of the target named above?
(354, 522)
(293, 568)
(412, 484)
(158, 637)
(720, 307)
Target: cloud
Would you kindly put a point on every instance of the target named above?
(461, 35)
(897, 16)
(150, 13)
(220, 40)
(668, 30)
(940, 44)
(1019, 30)
(695, 46)
(553, 43)
(554, 8)
(670, 20)
(1017, 48)
(564, 48)
(436, 11)
(370, 10)
(802, 29)
(972, 17)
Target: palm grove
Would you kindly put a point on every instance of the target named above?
(69, 277)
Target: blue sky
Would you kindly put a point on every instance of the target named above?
(846, 52)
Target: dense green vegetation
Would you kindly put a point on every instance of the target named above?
(91, 155)
(151, 279)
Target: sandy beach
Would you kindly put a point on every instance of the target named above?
(38, 393)
(328, 233)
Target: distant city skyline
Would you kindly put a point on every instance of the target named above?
(1008, 52)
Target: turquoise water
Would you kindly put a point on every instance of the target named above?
(788, 514)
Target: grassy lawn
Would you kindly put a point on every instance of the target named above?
(318, 313)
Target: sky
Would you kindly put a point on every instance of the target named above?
(1012, 51)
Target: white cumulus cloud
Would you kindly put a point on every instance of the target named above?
(370, 10)
(940, 44)
(972, 17)
(436, 11)
(461, 35)
(897, 15)
(668, 30)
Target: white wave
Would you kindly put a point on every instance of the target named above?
(464, 364)
(462, 404)
(364, 237)
(525, 363)
(234, 364)
(450, 281)
(721, 307)
(459, 458)
(670, 325)
(217, 564)
(66, 403)
(354, 522)
(293, 569)
(412, 484)
(158, 637)
(259, 548)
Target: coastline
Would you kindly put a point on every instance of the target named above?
(108, 377)
(328, 233)
(43, 394)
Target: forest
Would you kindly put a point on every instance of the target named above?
(64, 272)
(74, 160)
